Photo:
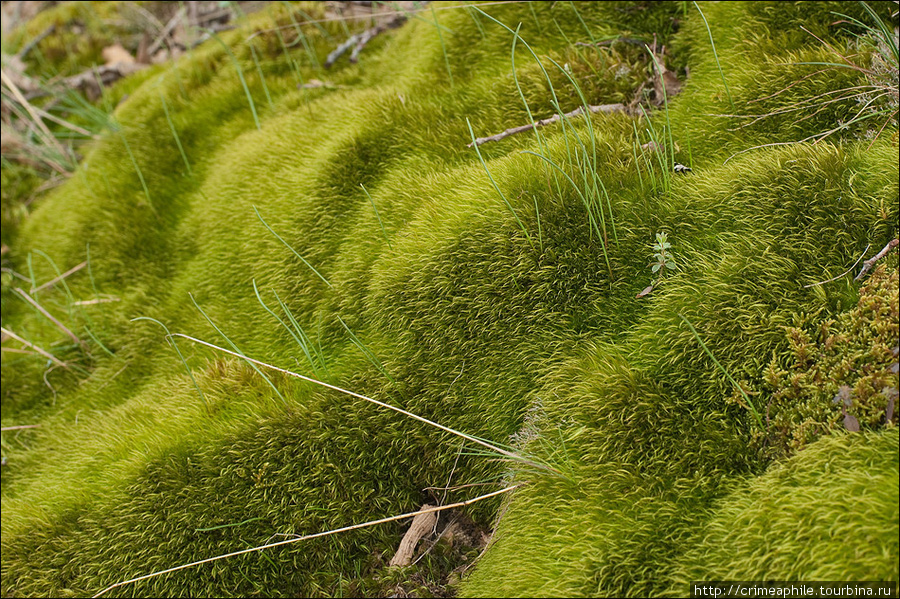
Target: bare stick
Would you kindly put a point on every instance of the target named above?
(604, 108)
(19, 428)
(47, 355)
(166, 32)
(871, 261)
(49, 316)
(494, 448)
(52, 282)
(421, 525)
(359, 41)
(624, 40)
(843, 273)
(306, 537)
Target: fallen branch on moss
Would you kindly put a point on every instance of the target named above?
(421, 526)
(312, 536)
(604, 108)
(625, 40)
(359, 41)
(867, 265)
(91, 80)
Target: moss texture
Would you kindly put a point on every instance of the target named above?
(513, 320)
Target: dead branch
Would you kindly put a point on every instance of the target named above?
(421, 526)
(165, 35)
(867, 265)
(90, 81)
(359, 41)
(604, 108)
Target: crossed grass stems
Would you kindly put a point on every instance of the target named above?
(586, 181)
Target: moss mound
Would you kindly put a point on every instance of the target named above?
(347, 233)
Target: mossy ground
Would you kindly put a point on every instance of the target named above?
(459, 317)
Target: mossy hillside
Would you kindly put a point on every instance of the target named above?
(790, 522)
(473, 325)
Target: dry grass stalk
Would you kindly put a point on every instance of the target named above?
(21, 292)
(44, 353)
(312, 536)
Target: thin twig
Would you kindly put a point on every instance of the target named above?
(46, 354)
(15, 350)
(359, 41)
(624, 40)
(306, 537)
(604, 108)
(52, 282)
(49, 316)
(842, 274)
(166, 32)
(871, 261)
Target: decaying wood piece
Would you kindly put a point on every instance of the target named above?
(90, 81)
(867, 265)
(604, 108)
(421, 525)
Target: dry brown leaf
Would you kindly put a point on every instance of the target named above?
(645, 292)
(116, 54)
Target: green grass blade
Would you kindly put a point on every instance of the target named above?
(278, 237)
(721, 368)
(238, 351)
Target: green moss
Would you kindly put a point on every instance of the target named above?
(17, 183)
(81, 31)
(454, 314)
(849, 360)
(791, 523)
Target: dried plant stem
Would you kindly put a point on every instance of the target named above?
(312, 536)
(19, 427)
(605, 108)
(56, 280)
(476, 440)
(31, 111)
(867, 265)
(46, 354)
(846, 272)
(48, 316)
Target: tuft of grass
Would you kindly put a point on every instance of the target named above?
(238, 351)
(712, 44)
(171, 341)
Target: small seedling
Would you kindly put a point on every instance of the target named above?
(663, 262)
